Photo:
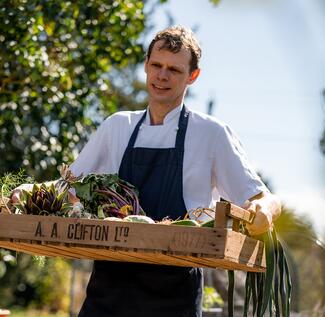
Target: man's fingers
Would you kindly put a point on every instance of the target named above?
(253, 230)
(15, 196)
(248, 205)
(261, 224)
(72, 198)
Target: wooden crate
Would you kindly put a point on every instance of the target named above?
(217, 247)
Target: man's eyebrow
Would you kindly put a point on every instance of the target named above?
(154, 62)
(172, 67)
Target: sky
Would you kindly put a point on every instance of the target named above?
(263, 64)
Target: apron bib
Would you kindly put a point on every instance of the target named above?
(121, 289)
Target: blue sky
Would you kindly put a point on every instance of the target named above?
(264, 64)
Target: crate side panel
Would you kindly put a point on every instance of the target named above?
(112, 234)
(245, 250)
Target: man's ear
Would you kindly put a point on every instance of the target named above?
(194, 75)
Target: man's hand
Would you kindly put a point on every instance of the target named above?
(72, 197)
(267, 208)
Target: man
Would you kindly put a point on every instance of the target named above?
(179, 160)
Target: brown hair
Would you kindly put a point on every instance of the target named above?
(176, 37)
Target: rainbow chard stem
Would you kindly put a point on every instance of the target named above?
(95, 190)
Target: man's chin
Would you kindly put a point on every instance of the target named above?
(162, 101)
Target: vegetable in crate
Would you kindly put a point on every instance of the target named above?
(106, 195)
(44, 200)
(138, 218)
(208, 224)
(185, 222)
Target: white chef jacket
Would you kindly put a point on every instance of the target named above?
(214, 165)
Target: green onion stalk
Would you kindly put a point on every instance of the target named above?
(269, 291)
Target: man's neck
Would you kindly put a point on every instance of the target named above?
(158, 113)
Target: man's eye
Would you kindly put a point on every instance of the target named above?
(155, 65)
(174, 70)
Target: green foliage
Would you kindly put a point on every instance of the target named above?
(39, 260)
(55, 57)
(215, 2)
(211, 298)
(306, 256)
(29, 284)
(10, 181)
(53, 284)
(18, 284)
(18, 312)
(6, 258)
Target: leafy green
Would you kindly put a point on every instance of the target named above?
(106, 195)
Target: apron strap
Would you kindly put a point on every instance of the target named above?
(182, 126)
(135, 132)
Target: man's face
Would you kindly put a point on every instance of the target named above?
(168, 75)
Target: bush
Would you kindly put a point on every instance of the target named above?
(31, 284)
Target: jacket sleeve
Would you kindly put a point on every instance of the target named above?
(236, 180)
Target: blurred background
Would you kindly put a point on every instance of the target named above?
(65, 66)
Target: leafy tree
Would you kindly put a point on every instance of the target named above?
(56, 63)
(63, 67)
(27, 283)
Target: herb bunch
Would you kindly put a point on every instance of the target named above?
(8, 182)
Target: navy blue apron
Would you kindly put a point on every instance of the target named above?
(120, 289)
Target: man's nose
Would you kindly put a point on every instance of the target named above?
(163, 74)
